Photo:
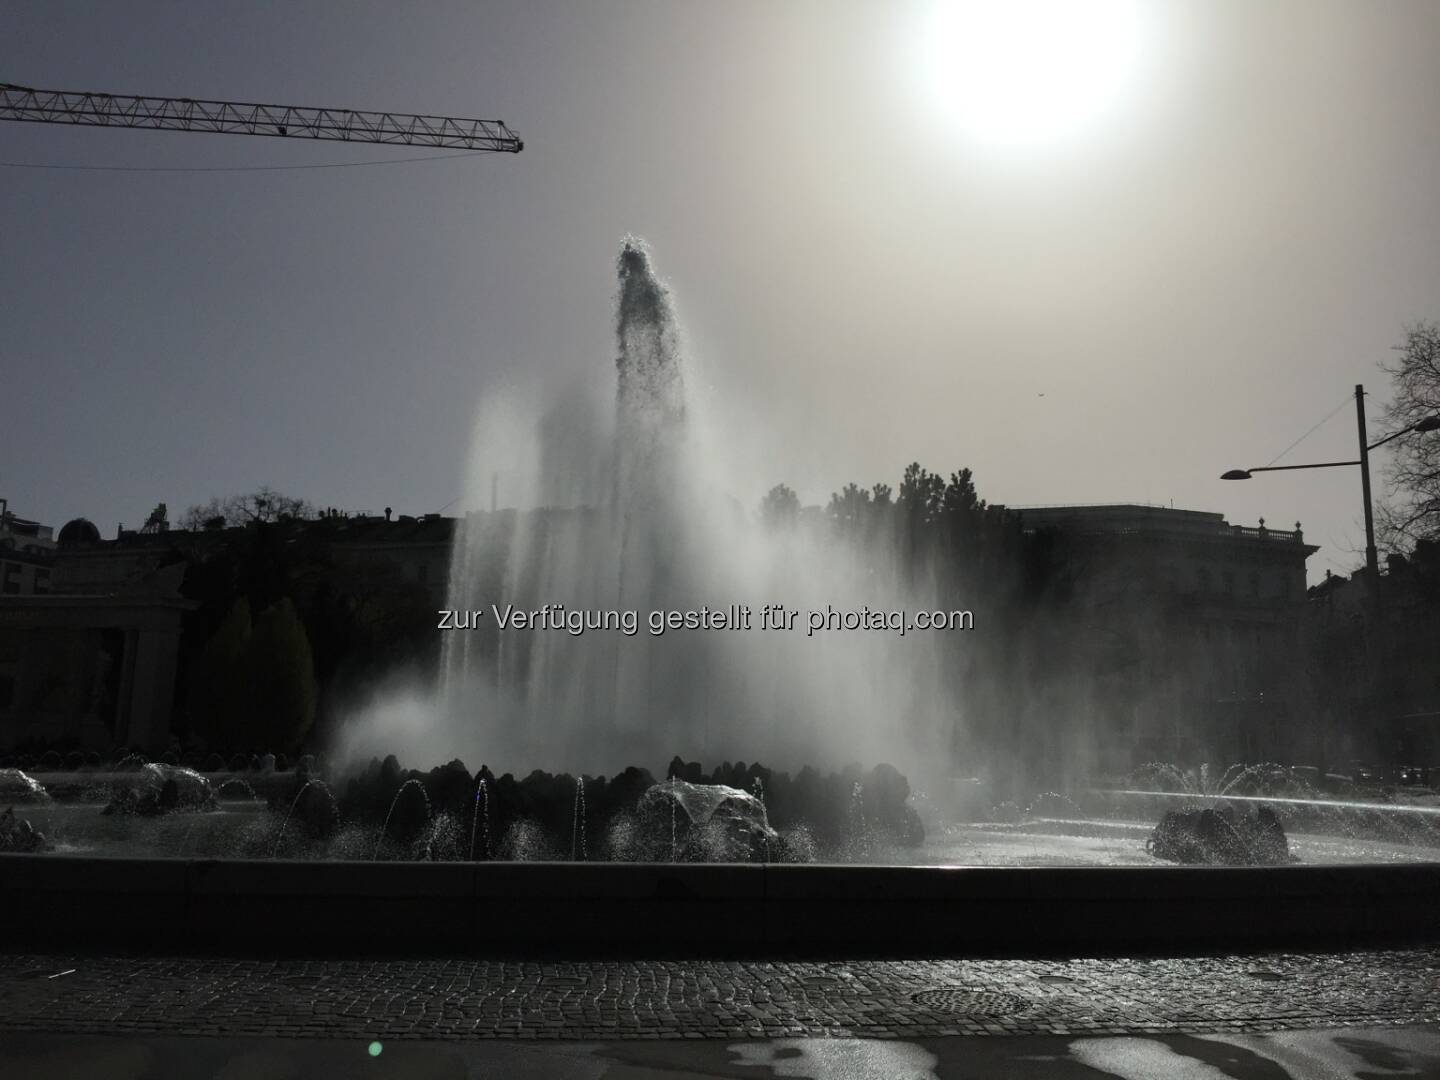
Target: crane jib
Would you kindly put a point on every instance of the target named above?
(245, 118)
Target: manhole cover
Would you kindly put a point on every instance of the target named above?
(1057, 980)
(969, 1001)
(1267, 976)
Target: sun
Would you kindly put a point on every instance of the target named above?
(1025, 70)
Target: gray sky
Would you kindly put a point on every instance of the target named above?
(1191, 280)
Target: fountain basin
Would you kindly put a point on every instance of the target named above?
(734, 909)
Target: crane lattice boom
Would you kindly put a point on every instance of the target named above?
(237, 118)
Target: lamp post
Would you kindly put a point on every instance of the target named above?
(1372, 559)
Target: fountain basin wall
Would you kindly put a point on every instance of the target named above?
(748, 909)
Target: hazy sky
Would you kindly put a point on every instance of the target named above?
(1191, 279)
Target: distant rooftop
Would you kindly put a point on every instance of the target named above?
(23, 533)
(1141, 518)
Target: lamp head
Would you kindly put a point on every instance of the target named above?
(1235, 474)
(1430, 423)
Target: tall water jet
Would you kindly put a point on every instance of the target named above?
(623, 552)
(654, 531)
(650, 400)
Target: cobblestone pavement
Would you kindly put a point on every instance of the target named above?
(674, 999)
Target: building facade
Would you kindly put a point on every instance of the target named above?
(97, 656)
(26, 553)
(1189, 631)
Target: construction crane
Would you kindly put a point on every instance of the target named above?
(238, 118)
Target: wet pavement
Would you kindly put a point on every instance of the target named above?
(608, 1000)
(1331, 1054)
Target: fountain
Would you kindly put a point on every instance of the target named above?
(625, 514)
(627, 517)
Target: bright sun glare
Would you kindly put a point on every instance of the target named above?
(1022, 70)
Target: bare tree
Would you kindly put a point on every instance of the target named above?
(262, 505)
(1411, 511)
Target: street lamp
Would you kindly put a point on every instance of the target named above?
(1372, 559)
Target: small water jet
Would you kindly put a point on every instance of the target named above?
(385, 828)
(858, 842)
(480, 812)
(321, 786)
(578, 850)
(758, 790)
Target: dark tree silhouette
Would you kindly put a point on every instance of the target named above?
(218, 703)
(780, 507)
(282, 678)
(254, 683)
